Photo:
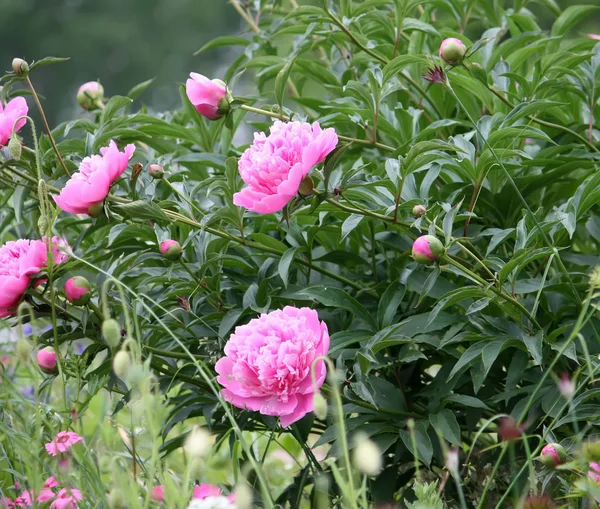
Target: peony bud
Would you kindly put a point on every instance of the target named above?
(46, 359)
(366, 456)
(320, 406)
(42, 225)
(566, 387)
(121, 364)
(419, 210)
(90, 95)
(198, 443)
(210, 97)
(78, 291)
(96, 209)
(553, 455)
(156, 171)
(111, 330)
(427, 249)
(158, 493)
(452, 51)
(23, 349)
(19, 66)
(306, 186)
(171, 250)
(15, 148)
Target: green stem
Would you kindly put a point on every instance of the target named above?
(183, 197)
(172, 355)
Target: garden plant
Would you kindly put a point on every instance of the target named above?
(357, 269)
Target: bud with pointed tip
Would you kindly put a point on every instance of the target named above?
(366, 456)
(46, 359)
(170, 249)
(78, 291)
(19, 66)
(320, 406)
(111, 331)
(419, 210)
(15, 149)
(553, 455)
(452, 51)
(427, 249)
(122, 364)
(156, 171)
(90, 95)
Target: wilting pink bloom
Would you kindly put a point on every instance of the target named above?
(275, 165)
(88, 187)
(202, 491)
(206, 95)
(21, 260)
(66, 499)
(63, 442)
(9, 114)
(46, 360)
(268, 363)
(594, 36)
(24, 500)
(594, 472)
(158, 493)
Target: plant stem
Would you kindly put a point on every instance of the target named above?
(172, 355)
(247, 18)
(39, 105)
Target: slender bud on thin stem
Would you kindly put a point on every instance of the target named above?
(198, 443)
(15, 149)
(320, 406)
(122, 363)
(366, 456)
(156, 171)
(111, 331)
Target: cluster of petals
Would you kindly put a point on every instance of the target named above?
(62, 442)
(65, 499)
(14, 109)
(201, 492)
(20, 261)
(594, 472)
(205, 94)
(275, 165)
(90, 185)
(268, 363)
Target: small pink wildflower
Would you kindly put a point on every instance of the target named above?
(66, 499)
(202, 491)
(63, 442)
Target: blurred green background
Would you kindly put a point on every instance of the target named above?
(125, 42)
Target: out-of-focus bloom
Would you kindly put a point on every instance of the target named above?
(366, 455)
(268, 363)
(594, 36)
(7, 502)
(202, 491)
(90, 95)
(427, 249)
(435, 74)
(212, 503)
(594, 472)
(78, 290)
(9, 114)
(275, 165)
(62, 442)
(210, 97)
(553, 455)
(66, 499)
(538, 502)
(452, 461)
(566, 386)
(24, 500)
(170, 249)
(452, 51)
(158, 493)
(51, 482)
(87, 188)
(46, 360)
(509, 429)
(198, 443)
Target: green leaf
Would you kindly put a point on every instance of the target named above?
(282, 79)
(219, 42)
(468, 401)
(446, 425)
(396, 65)
(284, 264)
(424, 448)
(113, 106)
(453, 297)
(142, 209)
(449, 221)
(349, 224)
(389, 302)
(136, 91)
(570, 17)
(47, 61)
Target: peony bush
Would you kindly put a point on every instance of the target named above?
(358, 269)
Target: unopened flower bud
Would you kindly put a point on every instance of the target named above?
(553, 455)
(320, 406)
(198, 443)
(427, 249)
(306, 186)
(15, 149)
(566, 387)
(78, 291)
(46, 359)
(19, 66)
(452, 51)
(243, 495)
(23, 349)
(90, 95)
(171, 249)
(419, 210)
(111, 331)
(96, 209)
(42, 225)
(122, 364)
(156, 171)
(366, 456)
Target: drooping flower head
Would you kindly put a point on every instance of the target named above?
(209, 97)
(268, 363)
(62, 442)
(9, 114)
(24, 500)
(20, 260)
(275, 165)
(88, 187)
(66, 499)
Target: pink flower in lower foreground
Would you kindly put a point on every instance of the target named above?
(275, 165)
(87, 189)
(207, 96)
(158, 493)
(9, 114)
(45, 495)
(594, 472)
(20, 260)
(202, 491)
(24, 500)
(63, 442)
(66, 499)
(268, 363)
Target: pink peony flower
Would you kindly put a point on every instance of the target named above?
(46, 360)
(63, 442)
(452, 50)
(66, 499)
(19, 261)
(594, 472)
(206, 95)
(158, 493)
(87, 189)
(268, 363)
(427, 249)
(202, 491)
(9, 114)
(275, 165)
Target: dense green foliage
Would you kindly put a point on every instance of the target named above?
(503, 152)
